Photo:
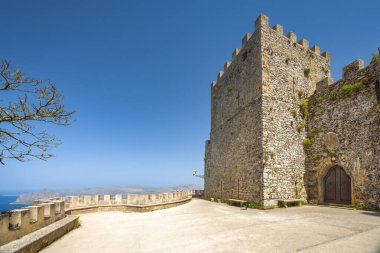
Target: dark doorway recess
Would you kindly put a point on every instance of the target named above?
(337, 186)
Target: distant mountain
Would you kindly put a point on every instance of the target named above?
(27, 198)
(187, 187)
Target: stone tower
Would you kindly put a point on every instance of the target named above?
(256, 149)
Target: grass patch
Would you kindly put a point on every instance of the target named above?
(349, 89)
(300, 127)
(307, 143)
(314, 157)
(256, 206)
(320, 99)
(320, 112)
(304, 108)
(76, 224)
(333, 95)
(358, 206)
(229, 88)
(294, 113)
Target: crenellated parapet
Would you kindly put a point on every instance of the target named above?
(353, 73)
(343, 127)
(88, 203)
(262, 22)
(19, 222)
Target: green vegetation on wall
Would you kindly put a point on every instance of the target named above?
(306, 72)
(375, 58)
(304, 108)
(307, 143)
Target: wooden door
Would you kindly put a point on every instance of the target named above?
(337, 186)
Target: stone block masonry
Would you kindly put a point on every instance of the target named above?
(344, 127)
(73, 203)
(20, 222)
(259, 116)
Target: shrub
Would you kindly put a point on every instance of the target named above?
(313, 131)
(287, 61)
(307, 143)
(320, 112)
(374, 58)
(294, 113)
(304, 108)
(320, 99)
(349, 89)
(315, 157)
(76, 224)
(300, 127)
(334, 95)
(213, 96)
(306, 72)
(229, 88)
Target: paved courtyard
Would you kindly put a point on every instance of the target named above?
(203, 226)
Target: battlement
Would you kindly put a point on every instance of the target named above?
(73, 202)
(262, 22)
(351, 73)
(19, 222)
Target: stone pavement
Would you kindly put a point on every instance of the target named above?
(203, 226)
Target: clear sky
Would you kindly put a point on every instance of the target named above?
(138, 74)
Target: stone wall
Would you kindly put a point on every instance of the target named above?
(87, 201)
(290, 70)
(344, 127)
(255, 148)
(233, 154)
(19, 222)
(270, 103)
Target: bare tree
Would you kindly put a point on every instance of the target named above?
(26, 104)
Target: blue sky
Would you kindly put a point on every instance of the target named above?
(138, 74)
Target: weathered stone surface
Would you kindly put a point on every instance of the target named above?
(264, 110)
(255, 152)
(331, 142)
(354, 117)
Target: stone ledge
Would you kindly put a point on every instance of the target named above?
(35, 241)
(127, 207)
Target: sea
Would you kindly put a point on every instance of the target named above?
(5, 203)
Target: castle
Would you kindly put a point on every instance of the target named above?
(280, 129)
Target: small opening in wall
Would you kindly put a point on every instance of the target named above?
(245, 55)
(377, 88)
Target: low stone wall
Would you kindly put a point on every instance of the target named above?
(128, 203)
(19, 222)
(41, 238)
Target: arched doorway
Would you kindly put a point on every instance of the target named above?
(337, 186)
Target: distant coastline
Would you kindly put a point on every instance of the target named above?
(8, 203)
(14, 201)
